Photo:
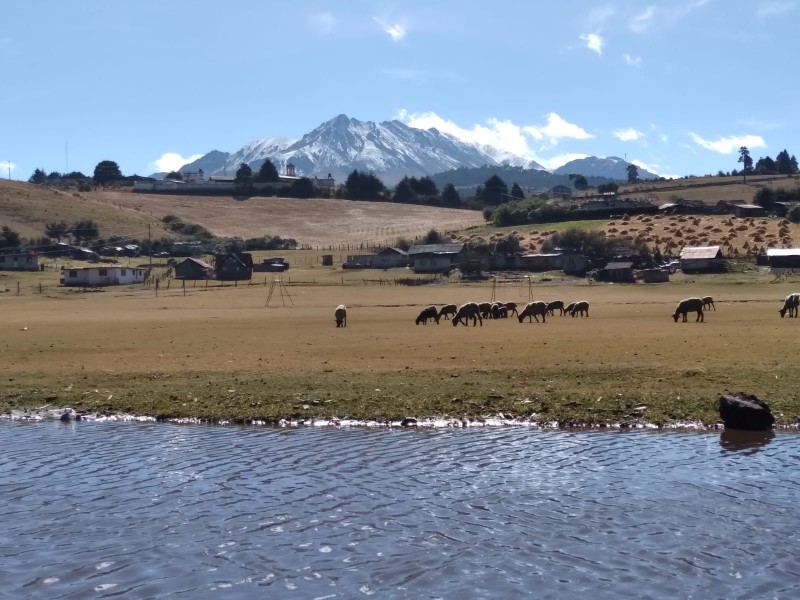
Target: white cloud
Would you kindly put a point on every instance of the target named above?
(730, 144)
(6, 166)
(593, 42)
(504, 135)
(774, 9)
(627, 135)
(171, 161)
(323, 22)
(396, 31)
(641, 22)
(556, 129)
(633, 61)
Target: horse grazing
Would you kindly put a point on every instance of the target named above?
(708, 302)
(428, 313)
(468, 311)
(790, 305)
(448, 310)
(555, 305)
(580, 308)
(533, 310)
(689, 305)
(340, 314)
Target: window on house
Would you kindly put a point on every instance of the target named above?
(103, 273)
(123, 273)
(73, 273)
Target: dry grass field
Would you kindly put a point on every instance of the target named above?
(220, 353)
(735, 236)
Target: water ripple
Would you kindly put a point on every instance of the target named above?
(143, 510)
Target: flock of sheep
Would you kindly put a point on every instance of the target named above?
(478, 311)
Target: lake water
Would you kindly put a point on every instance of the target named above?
(97, 510)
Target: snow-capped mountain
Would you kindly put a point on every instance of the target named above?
(390, 149)
(612, 167)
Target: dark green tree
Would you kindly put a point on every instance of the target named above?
(75, 175)
(106, 171)
(85, 230)
(517, 192)
(493, 191)
(767, 166)
(268, 173)
(612, 186)
(38, 177)
(363, 186)
(424, 186)
(54, 176)
(450, 195)
(434, 237)
(746, 160)
(243, 181)
(403, 193)
(783, 163)
(633, 173)
(507, 245)
(301, 188)
(9, 238)
(579, 181)
(793, 161)
(174, 175)
(57, 230)
(794, 214)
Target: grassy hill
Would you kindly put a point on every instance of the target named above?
(27, 208)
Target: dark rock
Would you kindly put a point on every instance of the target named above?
(745, 411)
(408, 422)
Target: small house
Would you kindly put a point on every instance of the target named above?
(539, 262)
(194, 268)
(573, 264)
(234, 266)
(701, 258)
(560, 191)
(655, 275)
(434, 258)
(620, 272)
(783, 258)
(103, 276)
(276, 264)
(390, 258)
(748, 210)
(19, 262)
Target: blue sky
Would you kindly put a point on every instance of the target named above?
(675, 86)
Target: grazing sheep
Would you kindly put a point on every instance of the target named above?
(533, 310)
(554, 306)
(568, 309)
(511, 307)
(689, 305)
(468, 311)
(486, 309)
(580, 308)
(708, 302)
(448, 310)
(341, 316)
(790, 305)
(428, 313)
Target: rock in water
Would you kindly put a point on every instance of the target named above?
(745, 411)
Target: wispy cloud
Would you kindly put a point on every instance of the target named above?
(664, 16)
(730, 144)
(6, 166)
(627, 135)
(633, 61)
(774, 9)
(395, 31)
(323, 23)
(593, 41)
(172, 161)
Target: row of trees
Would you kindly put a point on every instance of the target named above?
(783, 164)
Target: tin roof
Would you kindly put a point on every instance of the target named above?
(435, 249)
(783, 251)
(619, 265)
(700, 252)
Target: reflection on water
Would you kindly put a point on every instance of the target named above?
(734, 440)
(151, 510)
